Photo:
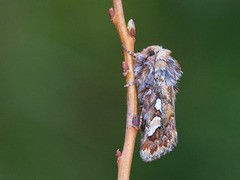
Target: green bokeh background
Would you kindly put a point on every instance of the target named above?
(62, 101)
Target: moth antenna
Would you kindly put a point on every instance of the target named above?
(129, 52)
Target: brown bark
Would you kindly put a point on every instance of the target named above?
(124, 159)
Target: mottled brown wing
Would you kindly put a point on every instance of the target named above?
(159, 135)
(156, 75)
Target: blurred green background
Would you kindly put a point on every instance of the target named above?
(62, 101)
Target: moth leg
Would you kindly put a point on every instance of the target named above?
(137, 56)
(133, 83)
(129, 52)
(130, 84)
(125, 73)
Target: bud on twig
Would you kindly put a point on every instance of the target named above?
(131, 28)
(125, 68)
(111, 13)
(118, 154)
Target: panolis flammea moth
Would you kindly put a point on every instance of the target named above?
(156, 74)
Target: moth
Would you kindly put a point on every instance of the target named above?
(157, 74)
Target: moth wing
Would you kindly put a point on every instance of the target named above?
(159, 136)
(156, 79)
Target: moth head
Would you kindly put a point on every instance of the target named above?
(147, 54)
(155, 52)
(150, 54)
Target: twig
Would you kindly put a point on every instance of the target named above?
(124, 159)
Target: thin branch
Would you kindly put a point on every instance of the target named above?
(124, 159)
